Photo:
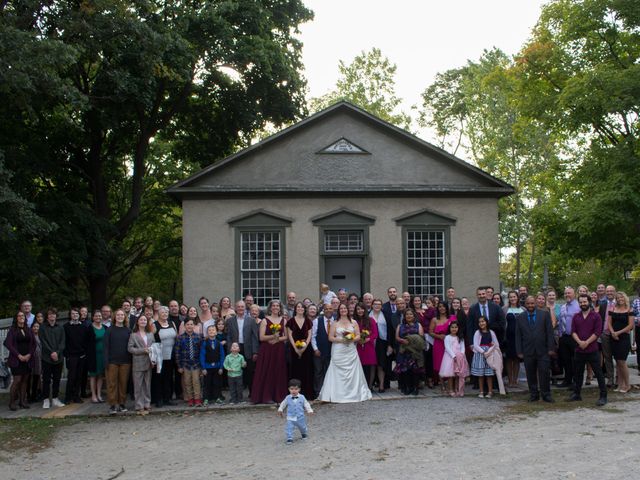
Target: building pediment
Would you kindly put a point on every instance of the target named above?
(259, 218)
(425, 216)
(343, 216)
(343, 146)
(341, 150)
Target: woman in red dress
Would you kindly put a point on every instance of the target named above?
(270, 377)
(301, 366)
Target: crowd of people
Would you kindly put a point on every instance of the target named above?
(339, 349)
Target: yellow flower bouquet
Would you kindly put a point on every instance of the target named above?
(364, 334)
(348, 336)
(275, 328)
(300, 344)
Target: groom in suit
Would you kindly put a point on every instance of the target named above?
(321, 346)
(535, 344)
(243, 330)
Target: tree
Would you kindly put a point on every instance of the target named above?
(583, 65)
(369, 82)
(109, 102)
(477, 107)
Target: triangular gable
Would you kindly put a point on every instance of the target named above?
(343, 216)
(425, 217)
(259, 218)
(397, 163)
(343, 146)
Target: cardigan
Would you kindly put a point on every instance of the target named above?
(11, 343)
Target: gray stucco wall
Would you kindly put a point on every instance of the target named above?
(209, 250)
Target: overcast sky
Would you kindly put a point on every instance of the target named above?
(422, 37)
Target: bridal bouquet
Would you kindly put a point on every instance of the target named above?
(348, 336)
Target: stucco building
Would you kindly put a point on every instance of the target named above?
(344, 198)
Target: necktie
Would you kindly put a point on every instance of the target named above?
(191, 350)
(328, 325)
(531, 320)
(484, 312)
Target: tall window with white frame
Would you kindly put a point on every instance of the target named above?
(260, 265)
(426, 262)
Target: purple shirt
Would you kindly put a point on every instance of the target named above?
(567, 313)
(585, 327)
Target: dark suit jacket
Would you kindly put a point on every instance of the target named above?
(497, 321)
(251, 334)
(386, 311)
(392, 325)
(536, 341)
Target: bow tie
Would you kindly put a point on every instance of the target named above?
(295, 398)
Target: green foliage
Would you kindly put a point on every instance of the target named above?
(110, 102)
(369, 82)
(560, 122)
(477, 107)
(583, 66)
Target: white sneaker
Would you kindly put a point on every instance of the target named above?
(57, 403)
(46, 403)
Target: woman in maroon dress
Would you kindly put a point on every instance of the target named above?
(270, 377)
(301, 366)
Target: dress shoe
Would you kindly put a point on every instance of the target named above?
(575, 398)
(602, 401)
(565, 385)
(534, 398)
(548, 399)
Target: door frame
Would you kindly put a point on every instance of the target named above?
(364, 255)
(362, 259)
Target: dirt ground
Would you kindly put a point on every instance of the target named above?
(444, 438)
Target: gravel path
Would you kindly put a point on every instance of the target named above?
(411, 438)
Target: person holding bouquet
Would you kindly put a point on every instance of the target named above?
(299, 334)
(344, 381)
(270, 378)
(367, 344)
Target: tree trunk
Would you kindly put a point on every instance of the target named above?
(98, 290)
(531, 261)
(518, 252)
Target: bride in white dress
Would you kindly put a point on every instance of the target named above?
(344, 381)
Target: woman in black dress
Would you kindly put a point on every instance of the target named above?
(512, 311)
(21, 346)
(620, 323)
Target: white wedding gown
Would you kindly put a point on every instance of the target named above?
(344, 381)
